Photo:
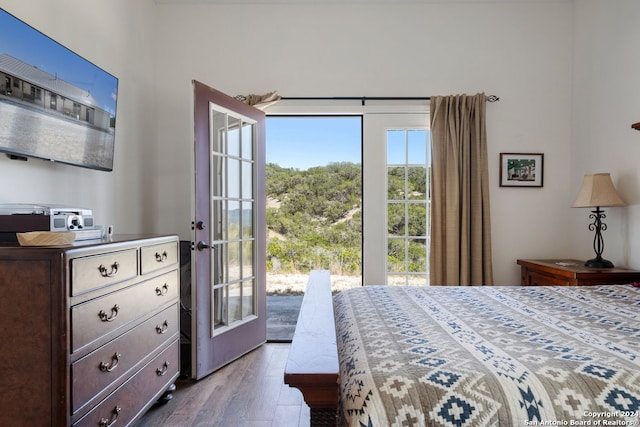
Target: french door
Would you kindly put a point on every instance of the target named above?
(396, 160)
(229, 300)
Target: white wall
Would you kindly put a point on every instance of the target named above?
(521, 52)
(116, 35)
(566, 72)
(606, 102)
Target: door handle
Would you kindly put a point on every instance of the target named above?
(202, 245)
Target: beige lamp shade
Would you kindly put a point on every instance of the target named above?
(598, 190)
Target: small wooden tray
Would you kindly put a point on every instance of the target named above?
(46, 238)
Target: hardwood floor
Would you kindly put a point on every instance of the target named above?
(247, 392)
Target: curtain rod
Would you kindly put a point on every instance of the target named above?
(363, 99)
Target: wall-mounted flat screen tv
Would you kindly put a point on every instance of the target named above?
(54, 104)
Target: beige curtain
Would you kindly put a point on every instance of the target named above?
(261, 102)
(460, 215)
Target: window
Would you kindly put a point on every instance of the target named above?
(36, 93)
(396, 153)
(408, 206)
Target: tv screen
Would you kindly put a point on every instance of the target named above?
(54, 104)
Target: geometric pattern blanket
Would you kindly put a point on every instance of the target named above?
(489, 356)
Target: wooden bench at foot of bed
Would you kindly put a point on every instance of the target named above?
(312, 365)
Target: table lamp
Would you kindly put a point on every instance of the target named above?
(598, 191)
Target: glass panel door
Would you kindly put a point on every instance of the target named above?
(396, 199)
(228, 296)
(408, 206)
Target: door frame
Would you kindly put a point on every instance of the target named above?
(374, 210)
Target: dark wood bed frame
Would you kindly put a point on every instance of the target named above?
(312, 365)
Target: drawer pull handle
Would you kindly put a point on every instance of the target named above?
(114, 313)
(105, 273)
(161, 257)
(162, 291)
(104, 422)
(161, 371)
(161, 329)
(106, 367)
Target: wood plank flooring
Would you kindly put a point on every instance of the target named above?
(247, 392)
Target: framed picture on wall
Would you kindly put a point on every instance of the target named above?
(521, 169)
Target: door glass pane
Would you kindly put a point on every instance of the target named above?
(218, 265)
(417, 182)
(216, 221)
(234, 261)
(233, 175)
(418, 256)
(395, 183)
(218, 172)
(393, 280)
(234, 220)
(222, 230)
(416, 279)
(247, 220)
(395, 219)
(219, 307)
(235, 303)
(248, 307)
(233, 137)
(417, 219)
(224, 263)
(247, 180)
(218, 131)
(396, 255)
(247, 141)
(417, 149)
(247, 259)
(396, 147)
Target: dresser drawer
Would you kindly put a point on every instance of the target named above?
(103, 367)
(104, 315)
(155, 257)
(126, 403)
(96, 271)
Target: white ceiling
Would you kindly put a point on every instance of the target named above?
(350, 1)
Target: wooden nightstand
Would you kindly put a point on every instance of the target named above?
(571, 272)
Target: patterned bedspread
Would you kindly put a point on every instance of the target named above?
(489, 356)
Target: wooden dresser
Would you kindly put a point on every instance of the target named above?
(89, 332)
(571, 272)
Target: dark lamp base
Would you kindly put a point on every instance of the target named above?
(599, 263)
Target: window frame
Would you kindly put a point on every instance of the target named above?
(371, 270)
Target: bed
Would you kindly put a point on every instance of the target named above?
(468, 356)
